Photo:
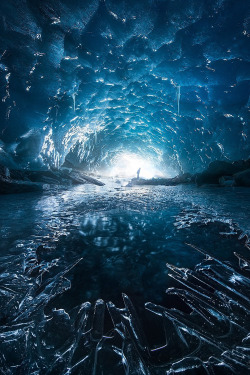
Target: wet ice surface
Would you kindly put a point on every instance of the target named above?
(64, 248)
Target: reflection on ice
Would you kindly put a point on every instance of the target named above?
(74, 251)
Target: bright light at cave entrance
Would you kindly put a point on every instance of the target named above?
(126, 165)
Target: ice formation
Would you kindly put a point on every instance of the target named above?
(99, 245)
(208, 332)
(105, 85)
(98, 77)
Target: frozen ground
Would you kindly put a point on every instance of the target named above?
(63, 248)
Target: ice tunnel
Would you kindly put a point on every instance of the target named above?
(85, 80)
(124, 187)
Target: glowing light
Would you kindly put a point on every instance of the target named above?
(126, 165)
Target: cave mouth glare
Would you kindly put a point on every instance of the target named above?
(81, 80)
(126, 164)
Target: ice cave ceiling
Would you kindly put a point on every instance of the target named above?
(87, 80)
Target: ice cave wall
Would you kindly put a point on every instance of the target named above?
(85, 80)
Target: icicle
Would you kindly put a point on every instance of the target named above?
(178, 98)
(74, 101)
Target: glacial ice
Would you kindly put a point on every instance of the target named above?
(211, 338)
(101, 280)
(196, 315)
(93, 78)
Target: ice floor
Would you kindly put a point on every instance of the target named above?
(63, 248)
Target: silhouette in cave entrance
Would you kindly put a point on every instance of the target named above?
(138, 173)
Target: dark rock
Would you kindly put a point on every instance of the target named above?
(242, 164)
(82, 178)
(151, 181)
(62, 177)
(243, 178)
(227, 181)
(16, 174)
(47, 177)
(22, 181)
(12, 182)
(218, 169)
(76, 178)
(214, 171)
(181, 179)
(16, 187)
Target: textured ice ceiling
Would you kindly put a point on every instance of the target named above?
(88, 80)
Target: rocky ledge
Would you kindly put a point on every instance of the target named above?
(218, 173)
(225, 173)
(23, 181)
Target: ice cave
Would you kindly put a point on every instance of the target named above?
(124, 187)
